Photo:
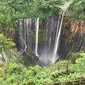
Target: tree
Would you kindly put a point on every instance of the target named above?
(12, 10)
(77, 10)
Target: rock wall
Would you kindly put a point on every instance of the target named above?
(72, 37)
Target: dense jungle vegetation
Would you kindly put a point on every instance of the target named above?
(13, 70)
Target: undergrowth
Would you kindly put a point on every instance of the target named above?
(15, 73)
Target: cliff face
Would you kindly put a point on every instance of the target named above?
(25, 37)
(72, 37)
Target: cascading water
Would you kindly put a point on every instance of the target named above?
(58, 32)
(36, 40)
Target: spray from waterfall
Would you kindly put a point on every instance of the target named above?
(36, 40)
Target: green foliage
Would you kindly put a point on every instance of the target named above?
(13, 73)
(77, 10)
(5, 43)
(26, 9)
(11, 10)
(17, 73)
(75, 55)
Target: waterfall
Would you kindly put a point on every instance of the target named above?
(58, 32)
(46, 51)
(36, 40)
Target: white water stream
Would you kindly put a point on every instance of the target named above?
(36, 40)
(58, 32)
(59, 26)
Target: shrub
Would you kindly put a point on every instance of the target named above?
(5, 43)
